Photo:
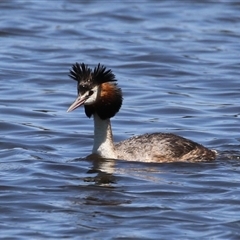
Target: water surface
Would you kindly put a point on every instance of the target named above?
(177, 63)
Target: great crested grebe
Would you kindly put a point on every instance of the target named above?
(102, 99)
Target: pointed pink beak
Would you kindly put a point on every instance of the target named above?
(77, 103)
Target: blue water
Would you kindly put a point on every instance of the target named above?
(177, 63)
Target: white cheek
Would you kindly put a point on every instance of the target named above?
(92, 99)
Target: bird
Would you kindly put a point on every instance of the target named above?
(102, 99)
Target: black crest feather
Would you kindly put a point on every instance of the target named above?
(101, 75)
(80, 72)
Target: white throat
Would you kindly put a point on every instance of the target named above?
(103, 139)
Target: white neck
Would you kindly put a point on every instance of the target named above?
(103, 140)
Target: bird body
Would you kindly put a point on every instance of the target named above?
(102, 99)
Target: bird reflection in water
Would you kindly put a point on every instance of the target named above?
(104, 168)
